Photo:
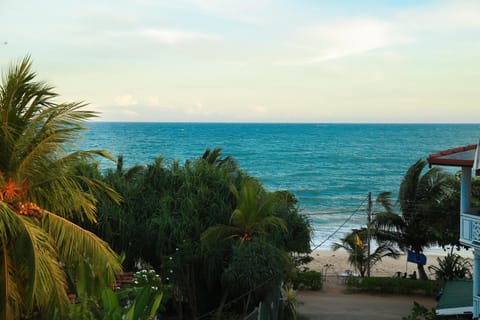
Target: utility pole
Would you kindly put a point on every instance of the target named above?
(369, 219)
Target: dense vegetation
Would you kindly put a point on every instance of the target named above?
(412, 221)
(40, 194)
(220, 242)
(210, 230)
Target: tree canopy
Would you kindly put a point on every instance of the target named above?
(39, 193)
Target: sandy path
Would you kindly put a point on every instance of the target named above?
(333, 303)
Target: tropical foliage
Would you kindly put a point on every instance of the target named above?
(419, 199)
(252, 217)
(358, 256)
(166, 220)
(452, 267)
(39, 193)
(94, 299)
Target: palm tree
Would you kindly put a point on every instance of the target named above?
(214, 158)
(252, 216)
(357, 253)
(418, 197)
(39, 192)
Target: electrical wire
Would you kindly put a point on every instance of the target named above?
(342, 225)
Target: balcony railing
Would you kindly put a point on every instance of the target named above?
(476, 305)
(470, 230)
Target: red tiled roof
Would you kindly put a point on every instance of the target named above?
(459, 157)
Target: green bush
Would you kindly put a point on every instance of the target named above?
(311, 280)
(395, 285)
(420, 312)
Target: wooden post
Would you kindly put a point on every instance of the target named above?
(369, 218)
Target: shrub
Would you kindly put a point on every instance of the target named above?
(395, 285)
(420, 312)
(311, 280)
(452, 267)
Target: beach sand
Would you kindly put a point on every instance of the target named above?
(333, 263)
(334, 302)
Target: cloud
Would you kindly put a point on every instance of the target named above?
(172, 36)
(450, 15)
(126, 100)
(350, 36)
(259, 109)
(130, 113)
(247, 11)
(197, 110)
(345, 38)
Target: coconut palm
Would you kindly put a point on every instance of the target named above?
(214, 157)
(353, 243)
(39, 193)
(418, 197)
(252, 216)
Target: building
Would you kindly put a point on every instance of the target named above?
(467, 158)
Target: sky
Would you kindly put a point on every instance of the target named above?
(388, 61)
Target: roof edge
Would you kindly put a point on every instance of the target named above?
(434, 159)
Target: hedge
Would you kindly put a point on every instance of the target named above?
(394, 285)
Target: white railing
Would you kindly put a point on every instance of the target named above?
(470, 230)
(476, 306)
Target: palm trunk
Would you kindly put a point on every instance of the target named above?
(422, 275)
(222, 304)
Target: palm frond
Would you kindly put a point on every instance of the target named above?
(389, 222)
(9, 223)
(385, 200)
(217, 233)
(46, 283)
(274, 221)
(75, 243)
(10, 297)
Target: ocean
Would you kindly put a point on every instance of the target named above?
(330, 168)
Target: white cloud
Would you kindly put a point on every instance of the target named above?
(259, 110)
(248, 11)
(126, 100)
(172, 36)
(350, 37)
(450, 15)
(155, 102)
(197, 110)
(130, 114)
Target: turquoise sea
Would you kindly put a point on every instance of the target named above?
(329, 167)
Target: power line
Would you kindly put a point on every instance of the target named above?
(325, 213)
(342, 225)
(226, 305)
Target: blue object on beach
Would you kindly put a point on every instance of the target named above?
(417, 258)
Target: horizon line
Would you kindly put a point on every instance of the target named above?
(293, 123)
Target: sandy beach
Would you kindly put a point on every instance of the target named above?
(333, 263)
(334, 302)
